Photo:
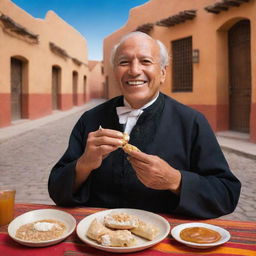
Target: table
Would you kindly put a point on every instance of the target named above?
(242, 242)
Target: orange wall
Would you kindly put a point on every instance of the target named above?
(38, 61)
(209, 34)
(96, 80)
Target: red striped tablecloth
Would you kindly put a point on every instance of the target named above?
(242, 242)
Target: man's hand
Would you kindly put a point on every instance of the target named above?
(99, 144)
(154, 172)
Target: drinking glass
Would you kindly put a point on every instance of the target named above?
(7, 199)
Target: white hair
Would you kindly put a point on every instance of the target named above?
(164, 56)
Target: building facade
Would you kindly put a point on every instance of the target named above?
(212, 44)
(96, 80)
(43, 65)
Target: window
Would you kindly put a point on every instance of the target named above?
(182, 70)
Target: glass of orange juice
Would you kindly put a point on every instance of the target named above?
(7, 199)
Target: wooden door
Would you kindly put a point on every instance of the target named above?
(240, 76)
(85, 81)
(55, 87)
(75, 81)
(16, 88)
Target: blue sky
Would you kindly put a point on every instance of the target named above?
(94, 19)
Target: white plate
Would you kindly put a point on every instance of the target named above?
(41, 214)
(142, 244)
(225, 235)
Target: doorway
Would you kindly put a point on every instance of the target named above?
(16, 89)
(239, 76)
(75, 88)
(85, 94)
(55, 87)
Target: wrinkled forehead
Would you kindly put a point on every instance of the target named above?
(138, 45)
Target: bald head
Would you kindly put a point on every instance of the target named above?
(163, 53)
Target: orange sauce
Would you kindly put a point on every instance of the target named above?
(6, 206)
(200, 235)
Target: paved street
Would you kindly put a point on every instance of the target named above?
(26, 160)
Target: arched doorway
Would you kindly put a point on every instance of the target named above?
(56, 74)
(16, 88)
(85, 88)
(239, 49)
(75, 88)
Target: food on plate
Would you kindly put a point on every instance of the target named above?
(41, 230)
(200, 235)
(120, 229)
(145, 230)
(118, 238)
(96, 230)
(121, 220)
(129, 148)
(107, 237)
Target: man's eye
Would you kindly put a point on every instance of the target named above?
(123, 63)
(146, 61)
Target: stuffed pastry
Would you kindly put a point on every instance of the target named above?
(145, 230)
(118, 238)
(125, 139)
(128, 148)
(96, 230)
(120, 220)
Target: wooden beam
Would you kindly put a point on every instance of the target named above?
(145, 28)
(177, 18)
(231, 3)
(12, 27)
(221, 6)
(212, 9)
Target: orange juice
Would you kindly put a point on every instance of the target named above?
(6, 206)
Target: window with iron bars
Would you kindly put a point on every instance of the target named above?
(182, 69)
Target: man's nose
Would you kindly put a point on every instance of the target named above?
(134, 68)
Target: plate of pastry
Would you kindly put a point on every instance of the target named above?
(40, 228)
(200, 235)
(123, 230)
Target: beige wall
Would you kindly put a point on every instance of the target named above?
(96, 81)
(39, 58)
(209, 34)
(203, 29)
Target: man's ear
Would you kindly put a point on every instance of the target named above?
(163, 74)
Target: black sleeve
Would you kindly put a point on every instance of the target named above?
(62, 176)
(208, 189)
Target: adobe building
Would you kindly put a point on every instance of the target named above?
(212, 45)
(44, 65)
(96, 79)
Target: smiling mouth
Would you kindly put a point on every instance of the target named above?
(135, 83)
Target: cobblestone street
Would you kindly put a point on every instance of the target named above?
(26, 160)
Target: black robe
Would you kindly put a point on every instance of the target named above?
(176, 133)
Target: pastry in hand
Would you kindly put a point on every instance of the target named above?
(96, 230)
(125, 139)
(145, 230)
(129, 148)
(118, 238)
(120, 220)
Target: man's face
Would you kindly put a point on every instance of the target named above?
(138, 70)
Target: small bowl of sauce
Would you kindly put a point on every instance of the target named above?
(200, 235)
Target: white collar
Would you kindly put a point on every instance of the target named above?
(145, 106)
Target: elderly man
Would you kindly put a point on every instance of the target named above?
(180, 167)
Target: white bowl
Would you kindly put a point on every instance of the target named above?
(225, 235)
(41, 214)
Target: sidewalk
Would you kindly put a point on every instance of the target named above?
(237, 142)
(25, 125)
(232, 141)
